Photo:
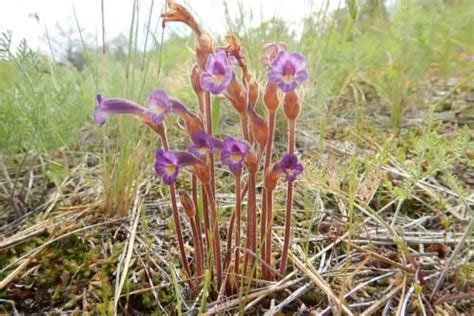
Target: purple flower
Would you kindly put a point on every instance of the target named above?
(287, 70)
(160, 105)
(203, 144)
(290, 166)
(107, 107)
(219, 73)
(168, 164)
(233, 153)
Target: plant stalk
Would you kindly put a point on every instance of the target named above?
(289, 201)
(177, 222)
(265, 225)
(251, 242)
(214, 236)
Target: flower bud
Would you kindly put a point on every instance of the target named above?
(252, 87)
(195, 79)
(270, 97)
(270, 52)
(258, 128)
(291, 105)
(187, 203)
(202, 172)
(177, 13)
(237, 95)
(251, 162)
(271, 178)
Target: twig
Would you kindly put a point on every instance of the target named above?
(455, 253)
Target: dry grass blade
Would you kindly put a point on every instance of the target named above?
(124, 264)
(454, 255)
(18, 269)
(314, 276)
(219, 308)
(372, 309)
(292, 297)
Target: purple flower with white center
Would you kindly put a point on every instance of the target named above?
(219, 73)
(233, 153)
(290, 166)
(288, 70)
(160, 105)
(168, 164)
(107, 107)
(203, 144)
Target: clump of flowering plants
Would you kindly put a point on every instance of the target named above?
(246, 157)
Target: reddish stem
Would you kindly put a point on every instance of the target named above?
(251, 242)
(197, 219)
(268, 232)
(197, 247)
(244, 124)
(208, 118)
(207, 225)
(177, 222)
(238, 203)
(216, 247)
(289, 201)
(265, 226)
(179, 234)
(286, 242)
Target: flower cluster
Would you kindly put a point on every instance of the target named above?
(215, 74)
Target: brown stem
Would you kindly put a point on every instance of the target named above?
(286, 242)
(216, 247)
(179, 234)
(177, 222)
(238, 203)
(244, 124)
(264, 223)
(268, 232)
(291, 136)
(289, 200)
(271, 133)
(230, 230)
(197, 219)
(201, 99)
(197, 247)
(208, 117)
(251, 242)
(263, 229)
(207, 225)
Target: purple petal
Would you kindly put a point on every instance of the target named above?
(186, 159)
(200, 152)
(166, 166)
(290, 166)
(216, 144)
(207, 81)
(158, 98)
(301, 75)
(280, 61)
(233, 153)
(298, 61)
(107, 107)
(287, 87)
(275, 75)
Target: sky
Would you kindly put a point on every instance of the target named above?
(31, 19)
